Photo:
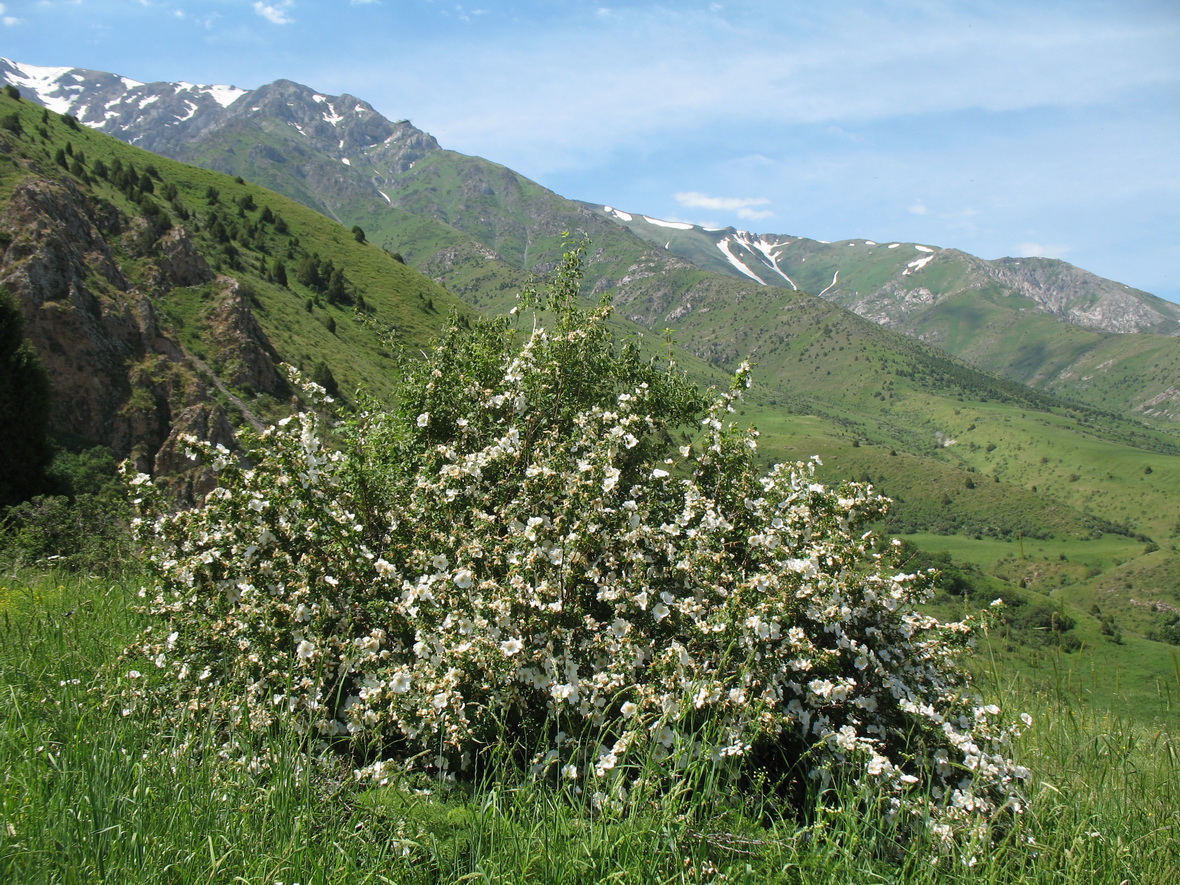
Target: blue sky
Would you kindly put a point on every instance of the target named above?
(996, 127)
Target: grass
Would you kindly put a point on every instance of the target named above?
(90, 793)
(1101, 553)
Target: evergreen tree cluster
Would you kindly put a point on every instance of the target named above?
(323, 277)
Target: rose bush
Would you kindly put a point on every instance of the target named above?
(555, 545)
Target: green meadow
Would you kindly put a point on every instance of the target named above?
(90, 793)
(1064, 511)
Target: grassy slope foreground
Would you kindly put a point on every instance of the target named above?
(89, 792)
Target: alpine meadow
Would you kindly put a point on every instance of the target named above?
(373, 514)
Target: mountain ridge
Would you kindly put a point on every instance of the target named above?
(1037, 321)
(194, 262)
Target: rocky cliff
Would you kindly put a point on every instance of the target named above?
(120, 376)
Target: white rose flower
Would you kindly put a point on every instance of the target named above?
(511, 647)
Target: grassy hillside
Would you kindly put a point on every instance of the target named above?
(968, 458)
(243, 231)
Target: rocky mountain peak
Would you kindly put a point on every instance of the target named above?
(165, 117)
(1085, 299)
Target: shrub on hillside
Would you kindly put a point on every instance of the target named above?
(81, 523)
(518, 556)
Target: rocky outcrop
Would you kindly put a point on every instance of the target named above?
(1085, 299)
(80, 312)
(178, 262)
(244, 354)
(120, 377)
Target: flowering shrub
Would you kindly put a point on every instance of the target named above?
(521, 552)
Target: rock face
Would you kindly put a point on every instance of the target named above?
(1085, 299)
(178, 262)
(120, 379)
(245, 354)
(81, 314)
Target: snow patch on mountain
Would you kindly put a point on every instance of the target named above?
(224, 95)
(835, 277)
(768, 248)
(675, 225)
(917, 264)
(45, 83)
(191, 107)
(737, 262)
(618, 213)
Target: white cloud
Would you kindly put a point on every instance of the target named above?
(919, 208)
(741, 206)
(275, 12)
(9, 20)
(1038, 250)
(754, 214)
(695, 200)
(849, 66)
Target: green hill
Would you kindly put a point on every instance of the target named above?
(162, 281)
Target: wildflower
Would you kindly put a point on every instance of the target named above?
(305, 650)
(511, 647)
(605, 763)
(564, 692)
(400, 683)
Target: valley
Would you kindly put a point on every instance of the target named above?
(1021, 418)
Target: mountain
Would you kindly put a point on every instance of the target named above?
(894, 283)
(163, 298)
(481, 229)
(1038, 321)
